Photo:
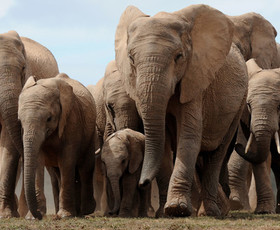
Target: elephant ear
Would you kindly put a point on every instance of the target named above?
(31, 81)
(136, 143)
(255, 37)
(252, 67)
(66, 97)
(130, 14)
(211, 35)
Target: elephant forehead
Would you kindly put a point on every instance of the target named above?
(38, 92)
(166, 27)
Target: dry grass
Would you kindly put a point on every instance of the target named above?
(236, 220)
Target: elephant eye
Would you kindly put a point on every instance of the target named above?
(131, 59)
(249, 107)
(49, 119)
(178, 57)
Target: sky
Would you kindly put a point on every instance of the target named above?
(80, 33)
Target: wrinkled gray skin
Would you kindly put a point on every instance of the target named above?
(58, 120)
(98, 178)
(168, 72)
(255, 38)
(122, 155)
(262, 124)
(19, 58)
(121, 113)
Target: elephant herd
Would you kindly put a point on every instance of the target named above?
(184, 115)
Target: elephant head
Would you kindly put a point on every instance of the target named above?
(263, 102)
(255, 38)
(120, 109)
(155, 55)
(12, 75)
(122, 153)
(44, 106)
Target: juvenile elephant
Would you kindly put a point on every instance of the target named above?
(169, 72)
(255, 38)
(259, 133)
(19, 58)
(58, 120)
(122, 155)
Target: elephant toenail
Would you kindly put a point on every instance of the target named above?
(183, 205)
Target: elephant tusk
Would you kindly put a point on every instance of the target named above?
(276, 137)
(249, 143)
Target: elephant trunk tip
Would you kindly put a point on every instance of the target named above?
(144, 182)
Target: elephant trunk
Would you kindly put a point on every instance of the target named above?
(115, 185)
(154, 94)
(262, 139)
(32, 142)
(9, 94)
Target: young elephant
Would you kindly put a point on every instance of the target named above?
(122, 155)
(58, 121)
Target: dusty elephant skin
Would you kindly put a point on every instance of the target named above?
(122, 155)
(255, 38)
(58, 120)
(20, 58)
(172, 73)
(260, 131)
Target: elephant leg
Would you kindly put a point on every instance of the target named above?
(164, 175)
(145, 200)
(212, 167)
(189, 134)
(8, 173)
(98, 180)
(86, 176)
(265, 196)
(129, 187)
(67, 206)
(55, 186)
(239, 170)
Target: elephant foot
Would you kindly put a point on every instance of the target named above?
(63, 214)
(265, 208)
(209, 208)
(178, 207)
(8, 213)
(235, 203)
(88, 208)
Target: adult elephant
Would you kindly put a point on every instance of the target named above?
(19, 58)
(255, 38)
(181, 67)
(260, 126)
(121, 113)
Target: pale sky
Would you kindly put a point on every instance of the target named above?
(80, 33)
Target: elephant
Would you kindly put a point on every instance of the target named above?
(98, 178)
(20, 58)
(182, 70)
(259, 132)
(121, 113)
(58, 118)
(255, 38)
(122, 156)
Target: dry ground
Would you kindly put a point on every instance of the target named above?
(236, 220)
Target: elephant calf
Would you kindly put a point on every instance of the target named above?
(122, 155)
(58, 120)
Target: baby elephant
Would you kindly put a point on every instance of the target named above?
(122, 155)
(58, 120)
